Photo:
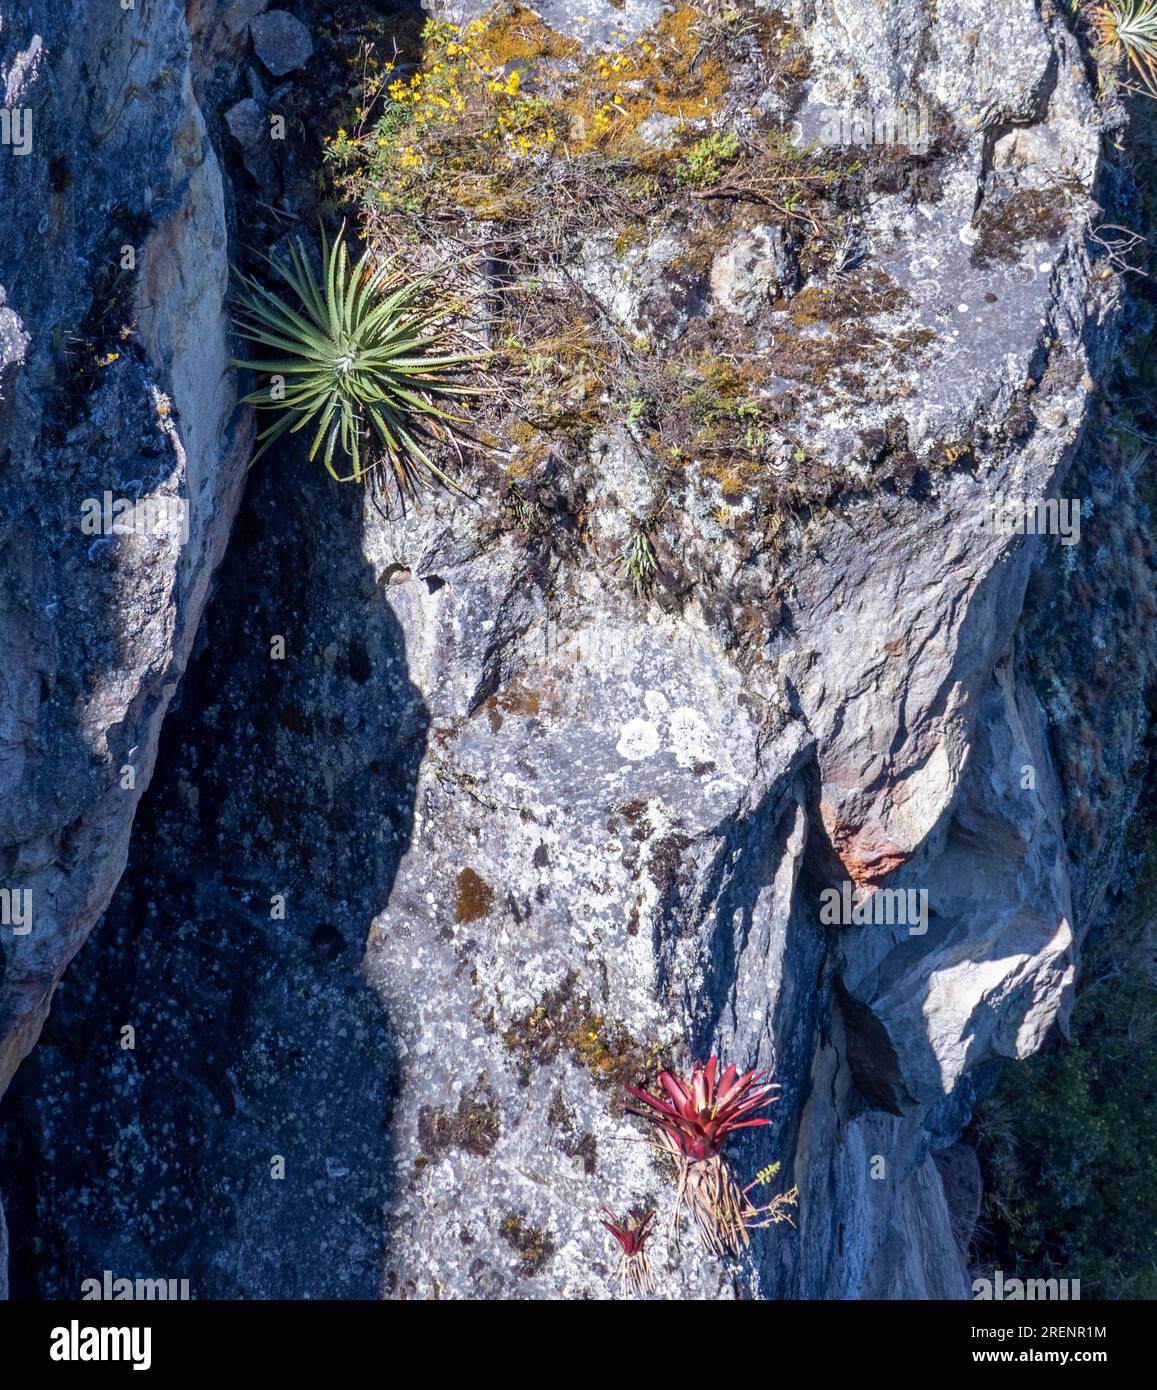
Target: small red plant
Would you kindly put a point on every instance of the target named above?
(697, 1117)
(694, 1119)
(632, 1234)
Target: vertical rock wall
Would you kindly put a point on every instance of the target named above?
(113, 379)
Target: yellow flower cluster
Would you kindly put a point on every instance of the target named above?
(507, 87)
(470, 110)
(436, 96)
(340, 143)
(604, 116)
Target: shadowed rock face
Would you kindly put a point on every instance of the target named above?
(537, 836)
(96, 629)
(268, 840)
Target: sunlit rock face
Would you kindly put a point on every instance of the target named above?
(540, 835)
(656, 808)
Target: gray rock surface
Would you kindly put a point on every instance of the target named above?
(959, 1169)
(246, 122)
(281, 41)
(657, 835)
(754, 268)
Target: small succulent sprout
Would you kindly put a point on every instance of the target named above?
(694, 1119)
(632, 1233)
(637, 563)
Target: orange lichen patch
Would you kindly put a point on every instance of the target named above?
(723, 383)
(721, 416)
(530, 447)
(735, 476)
(477, 194)
(564, 1021)
(834, 332)
(516, 699)
(577, 346)
(868, 858)
(872, 870)
(517, 34)
(474, 897)
(665, 72)
(873, 292)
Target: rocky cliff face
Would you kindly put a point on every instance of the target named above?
(536, 834)
(114, 216)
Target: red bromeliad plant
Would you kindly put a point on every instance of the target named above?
(697, 1116)
(632, 1234)
(694, 1119)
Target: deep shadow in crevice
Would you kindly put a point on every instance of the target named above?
(282, 784)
